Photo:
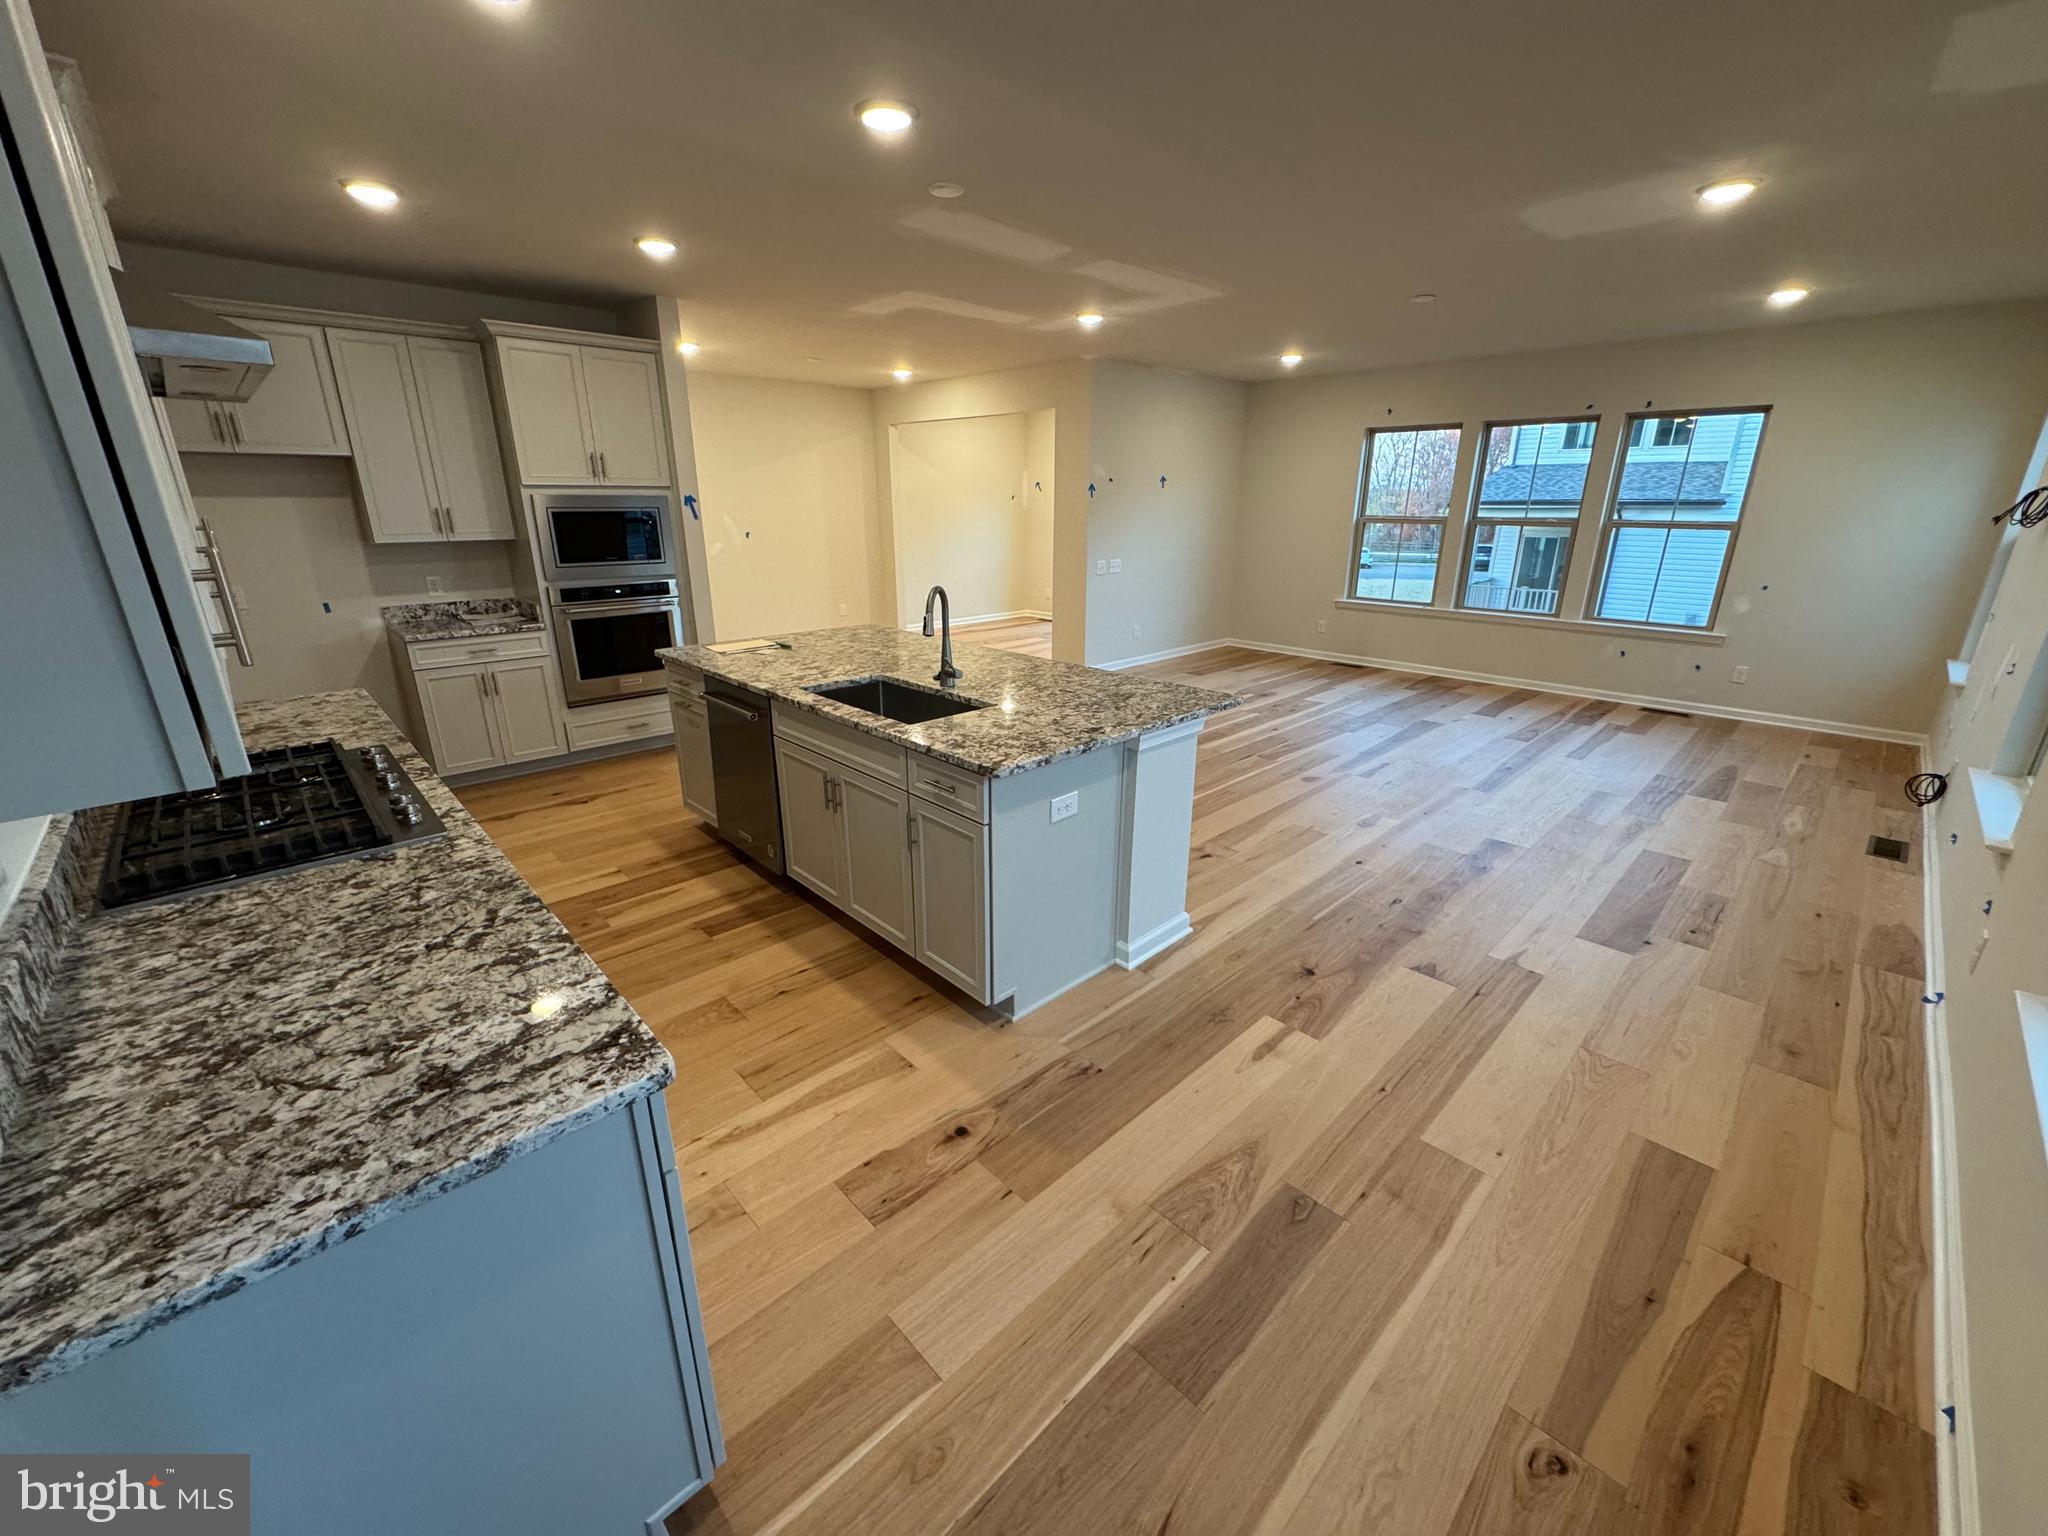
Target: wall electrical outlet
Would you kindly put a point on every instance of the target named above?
(435, 586)
(1134, 631)
(1102, 567)
(1066, 805)
(1322, 626)
(1739, 675)
(1116, 567)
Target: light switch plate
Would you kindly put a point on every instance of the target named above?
(1102, 567)
(435, 586)
(1116, 567)
(1066, 805)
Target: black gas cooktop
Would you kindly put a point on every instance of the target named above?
(297, 806)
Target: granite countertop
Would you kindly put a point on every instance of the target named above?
(462, 618)
(232, 1082)
(1038, 710)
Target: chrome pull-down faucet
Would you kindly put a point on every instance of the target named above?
(948, 674)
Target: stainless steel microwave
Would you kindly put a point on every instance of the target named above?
(594, 540)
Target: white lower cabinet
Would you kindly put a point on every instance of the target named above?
(484, 704)
(874, 826)
(811, 852)
(915, 873)
(693, 752)
(950, 884)
(462, 734)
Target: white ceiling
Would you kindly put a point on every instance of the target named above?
(1222, 179)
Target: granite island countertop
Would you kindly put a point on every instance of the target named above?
(1038, 711)
(465, 618)
(235, 1081)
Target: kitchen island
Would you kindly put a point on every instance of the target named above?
(1015, 832)
(364, 1170)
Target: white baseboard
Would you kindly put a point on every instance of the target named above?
(1570, 690)
(1169, 933)
(960, 620)
(1179, 650)
(1955, 1458)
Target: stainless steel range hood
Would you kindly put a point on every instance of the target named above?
(187, 353)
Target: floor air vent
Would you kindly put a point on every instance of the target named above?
(1891, 848)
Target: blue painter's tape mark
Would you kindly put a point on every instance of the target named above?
(1951, 839)
(1987, 909)
(327, 607)
(1936, 998)
(1162, 482)
(691, 503)
(1091, 490)
(1949, 1412)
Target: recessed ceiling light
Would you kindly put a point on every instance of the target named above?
(371, 194)
(1421, 298)
(946, 189)
(656, 247)
(1290, 359)
(1786, 297)
(687, 348)
(901, 375)
(1088, 321)
(1726, 194)
(504, 5)
(887, 118)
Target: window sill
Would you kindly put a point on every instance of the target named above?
(1581, 626)
(2034, 1036)
(1999, 801)
(1958, 672)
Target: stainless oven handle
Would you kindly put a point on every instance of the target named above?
(738, 709)
(614, 610)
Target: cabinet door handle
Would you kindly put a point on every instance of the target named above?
(235, 425)
(604, 471)
(213, 423)
(591, 454)
(944, 789)
(913, 830)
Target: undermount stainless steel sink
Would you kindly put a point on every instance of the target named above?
(894, 700)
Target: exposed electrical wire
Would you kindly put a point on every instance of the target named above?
(1926, 788)
(2028, 510)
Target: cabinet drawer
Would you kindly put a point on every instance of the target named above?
(856, 749)
(687, 681)
(954, 788)
(651, 723)
(463, 653)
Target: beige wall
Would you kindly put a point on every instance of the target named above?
(1061, 388)
(1891, 441)
(1178, 541)
(1998, 1173)
(786, 474)
(309, 583)
(960, 516)
(1040, 431)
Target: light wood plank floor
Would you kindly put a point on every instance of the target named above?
(1530, 1139)
(1031, 636)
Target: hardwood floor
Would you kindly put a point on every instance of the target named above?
(1531, 1139)
(1031, 636)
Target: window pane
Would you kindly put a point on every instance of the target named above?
(1378, 554)
(1517, 567)
(1533, 470)
(1688, 469)
(1663, 575)
(1409, 472)
(1415, 577)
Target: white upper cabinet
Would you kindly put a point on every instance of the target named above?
(426, 451)
(296, 409)
(462, 436)
(584, 415)
(624, 391)
(550, 423)
(394, 470)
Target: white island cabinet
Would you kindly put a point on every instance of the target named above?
(1014, 834)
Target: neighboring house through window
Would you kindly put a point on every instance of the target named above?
(1672, 520)
(1532, 482)
(1404, 495)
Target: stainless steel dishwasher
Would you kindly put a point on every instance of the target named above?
(743, 771)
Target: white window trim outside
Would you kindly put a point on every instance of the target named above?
(1569, 523)
(1536, 621)
(1610, 519)
(1446, 521)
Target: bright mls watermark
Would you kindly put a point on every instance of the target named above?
(165, 1495)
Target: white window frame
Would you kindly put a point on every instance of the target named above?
(1562, 521)
(1359, 520)
(1611, 519)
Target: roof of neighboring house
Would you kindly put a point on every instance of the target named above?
(1651, 483)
